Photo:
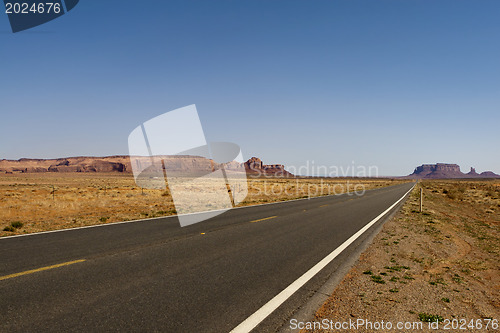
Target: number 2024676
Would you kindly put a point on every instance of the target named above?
(36, 8)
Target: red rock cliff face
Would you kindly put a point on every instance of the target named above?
(122, 164)
(256, 167)
(254, 164)
(443, 171)
(439, 169)
(94, 166)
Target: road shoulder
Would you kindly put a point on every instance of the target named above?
(440, 264)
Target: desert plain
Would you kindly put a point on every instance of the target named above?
(34, 202)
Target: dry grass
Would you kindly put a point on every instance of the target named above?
(442, 263)
(82, 199)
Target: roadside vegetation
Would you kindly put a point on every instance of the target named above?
(442, 263)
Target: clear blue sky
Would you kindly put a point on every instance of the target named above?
(388, 83)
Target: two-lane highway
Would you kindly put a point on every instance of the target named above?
(153, 275)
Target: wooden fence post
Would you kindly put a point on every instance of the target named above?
(421, 198)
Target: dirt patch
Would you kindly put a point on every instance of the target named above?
(441, 264)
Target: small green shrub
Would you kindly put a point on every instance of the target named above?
(16, 224)
(438, 281)
(13, 226)
(396, 268)
(426, 317)
(377, 279)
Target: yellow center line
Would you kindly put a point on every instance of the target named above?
(266, 218)
(40, 269)
(325, 205)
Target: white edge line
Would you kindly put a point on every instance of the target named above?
(170, 216)
(255, 319)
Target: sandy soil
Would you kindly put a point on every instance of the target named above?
(442, 264)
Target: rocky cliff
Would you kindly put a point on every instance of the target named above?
(71, 164)
(257, 167)
(443, 171)
(122, 164)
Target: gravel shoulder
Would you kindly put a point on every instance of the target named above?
(440, 264)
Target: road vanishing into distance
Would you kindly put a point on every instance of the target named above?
(153, 275)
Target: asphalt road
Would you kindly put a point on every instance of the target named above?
(153, 275)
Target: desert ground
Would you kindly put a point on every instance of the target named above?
(442, 264)
(33, 202)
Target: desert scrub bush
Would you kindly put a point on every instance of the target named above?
(377, 279)
(437, 281)
(454, 194)
(426, 317)
(396, 268)
(13, 226)
(16, 224)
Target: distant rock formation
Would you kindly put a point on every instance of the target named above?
(445, 171)
(472, 173)
(122, 164)
(94, 166)
(488, 174)
(71, 164)
(255, 166)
